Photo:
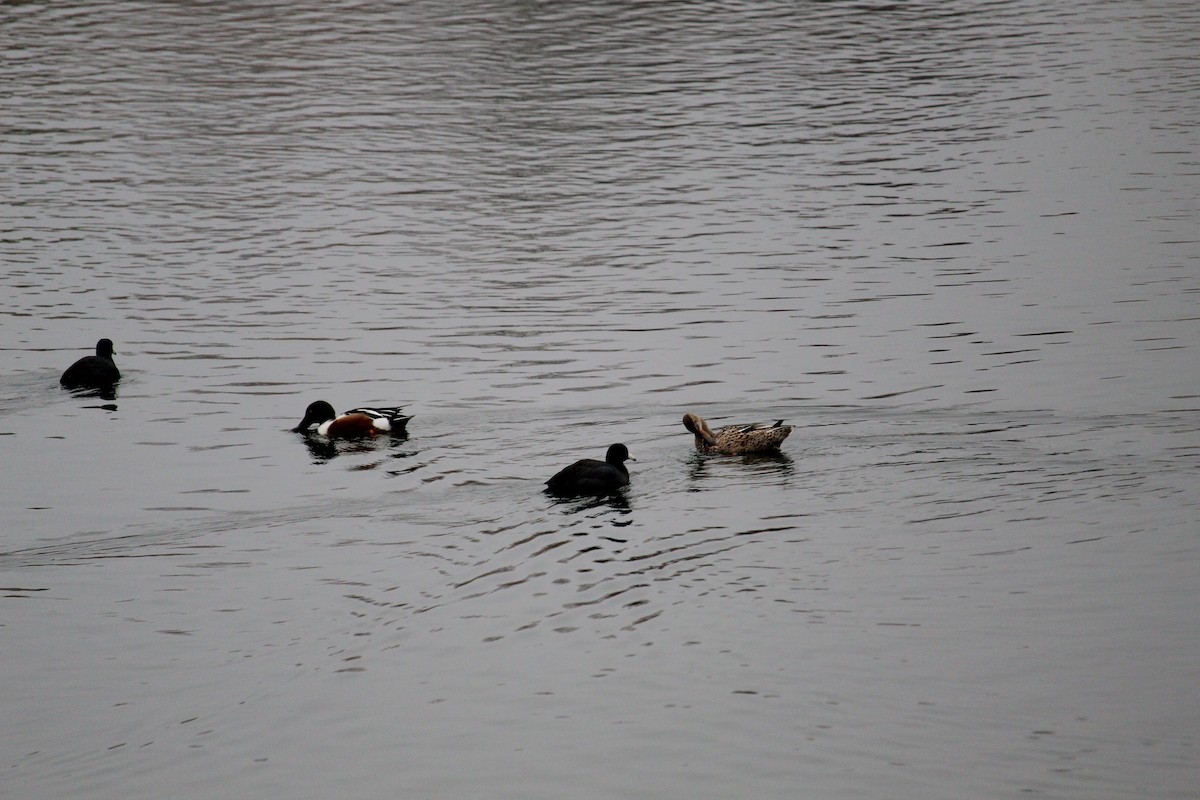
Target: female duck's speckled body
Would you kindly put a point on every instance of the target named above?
(93, 371)
(590, 476)
(354, 423)
(736, 439)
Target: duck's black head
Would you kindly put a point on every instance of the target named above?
(104, 348)
(618, 454)
(315, 414)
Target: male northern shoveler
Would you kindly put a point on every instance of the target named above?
(94, 372)
(355, 422)
(736, 439)
(590, 476)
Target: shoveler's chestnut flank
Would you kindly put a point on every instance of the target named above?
(736, 439)
(356, 422)
(590, 476)
(95, 372)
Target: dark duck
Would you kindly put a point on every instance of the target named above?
(591, 477)
(93, 372)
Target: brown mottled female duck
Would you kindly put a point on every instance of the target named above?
(736, 440)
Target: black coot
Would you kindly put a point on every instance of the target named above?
(94, 372)
(590, 476)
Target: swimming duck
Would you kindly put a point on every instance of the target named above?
(93, 371)
(355, 422)
(589, 476)
(736, 439)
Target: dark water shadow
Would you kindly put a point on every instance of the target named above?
(575, 504)
(105, 392)
(323, 449)
(774, 463)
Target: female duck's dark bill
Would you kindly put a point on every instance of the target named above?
(589, 476)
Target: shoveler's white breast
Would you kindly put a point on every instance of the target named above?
(353, 421)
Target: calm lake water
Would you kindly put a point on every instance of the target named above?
(954, 243)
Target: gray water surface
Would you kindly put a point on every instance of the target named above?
(954, 243)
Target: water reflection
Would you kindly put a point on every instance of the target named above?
(616, 501)
(701, 467)
(105, 392)
(774, 461)
(324, 449)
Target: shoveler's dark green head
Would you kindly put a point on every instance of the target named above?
(315, 414)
